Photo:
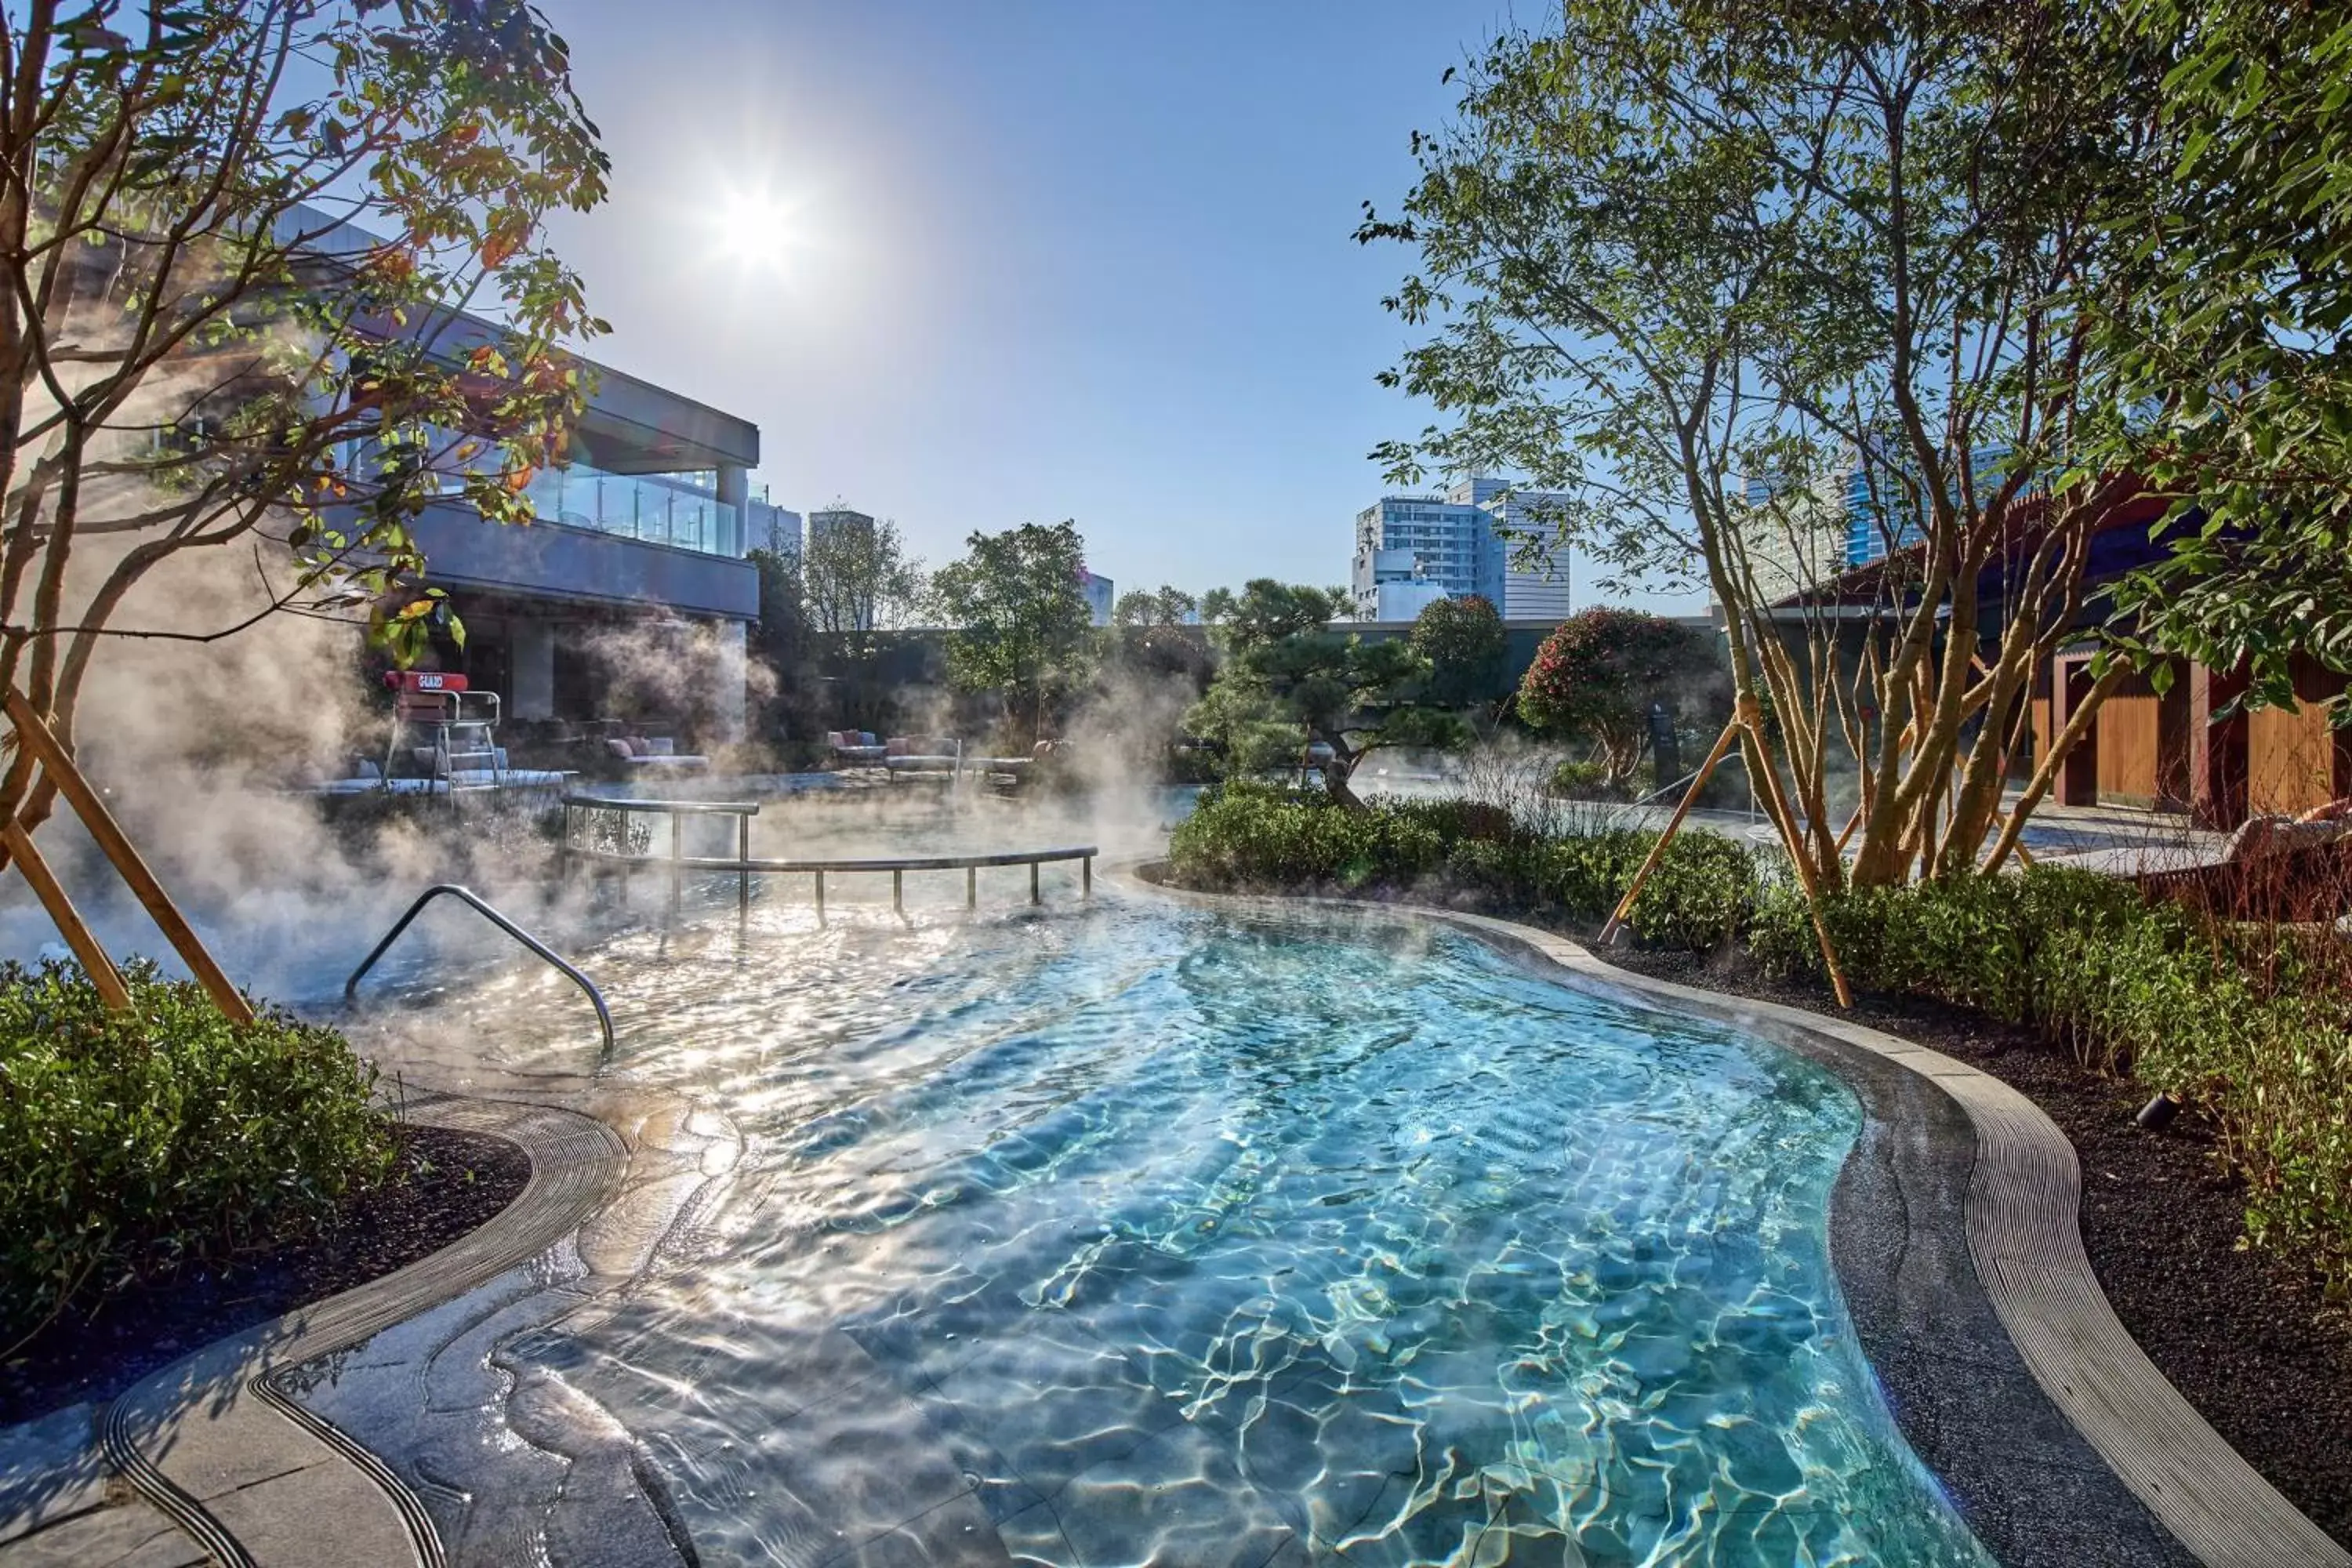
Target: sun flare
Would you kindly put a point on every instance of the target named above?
(756, 229)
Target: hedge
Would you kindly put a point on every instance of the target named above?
(1253, 838)
(131, 1144)
(2234, 1020)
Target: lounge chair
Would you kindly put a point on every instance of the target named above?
(652, 754)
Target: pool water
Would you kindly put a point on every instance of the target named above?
(1149, 1235)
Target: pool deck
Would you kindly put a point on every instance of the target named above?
(1954, 1232)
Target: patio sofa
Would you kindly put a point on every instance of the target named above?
(907, 757)
(854, 748)
(652, 754)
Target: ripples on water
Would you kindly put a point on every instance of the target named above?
(1154, 1232)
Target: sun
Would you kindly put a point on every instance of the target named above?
(757, 228)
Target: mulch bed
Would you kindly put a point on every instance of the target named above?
(445, 1183)
(2244, 1333)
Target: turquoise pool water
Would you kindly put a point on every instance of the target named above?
(1157, 1236)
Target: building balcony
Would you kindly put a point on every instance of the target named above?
(585, 564)
(681, 511)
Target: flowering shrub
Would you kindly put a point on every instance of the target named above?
(1598, 674)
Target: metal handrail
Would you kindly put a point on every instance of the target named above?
(885, 863)
(664, 807)
(1660, 793)
(482, 907)
(744, 868)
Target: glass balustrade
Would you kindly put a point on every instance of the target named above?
(678, 509)
(656, 509)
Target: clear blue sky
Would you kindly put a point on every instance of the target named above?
(1041, 258)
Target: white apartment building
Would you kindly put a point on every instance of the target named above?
(1414, 549)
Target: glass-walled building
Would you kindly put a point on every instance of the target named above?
(635, 558)
(1411, 550)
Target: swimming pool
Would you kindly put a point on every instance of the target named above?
(1158, 1235)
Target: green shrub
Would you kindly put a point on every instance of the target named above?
(1252, 836)
(2253, 1032)
(1584, 781)
(1458, 819)
(1700, 895)
(131, 1144)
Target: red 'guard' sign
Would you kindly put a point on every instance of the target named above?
(423, 680)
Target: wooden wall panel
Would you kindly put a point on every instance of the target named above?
(2289, 760)
(2127, 741)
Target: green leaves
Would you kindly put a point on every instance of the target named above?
(1290, 681)
(1020, 616)
(248, 229)
(2237, 1021)
(2224, 323)
(135, 1144)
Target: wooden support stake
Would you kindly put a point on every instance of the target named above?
(68, 921)
(1861, 811)
(1658, 851)
(1749, 717)
(971, 887)
(33, 734)
(1036, 896)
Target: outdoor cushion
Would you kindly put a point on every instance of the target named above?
(661, 746)
(619, 748)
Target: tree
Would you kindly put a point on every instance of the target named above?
(1599, 673)
(1465, 644)
(1168, 608)
(856, 579)
(1021, 623)
(1216, 605)
(779, 638)
(1670, 249)
(2225, 325)
(1290, 682)
(234, 234)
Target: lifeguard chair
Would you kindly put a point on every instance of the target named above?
(447, 733)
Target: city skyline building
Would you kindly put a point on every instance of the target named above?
(825, 519)
(1100, 594)
(775, 529)
(1412, 549)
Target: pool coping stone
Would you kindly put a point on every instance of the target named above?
(218, 1444)
(2059, 1440)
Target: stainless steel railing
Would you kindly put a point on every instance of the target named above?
(483, 907)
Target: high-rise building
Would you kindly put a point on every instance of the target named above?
(824, 521)
(1795, 532)
(1098, 592)
(774, 529)
(1529, 575)
(1866, 535)
(1414, 549)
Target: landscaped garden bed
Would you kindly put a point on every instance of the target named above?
(168, 1176)
(2224, 1242)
